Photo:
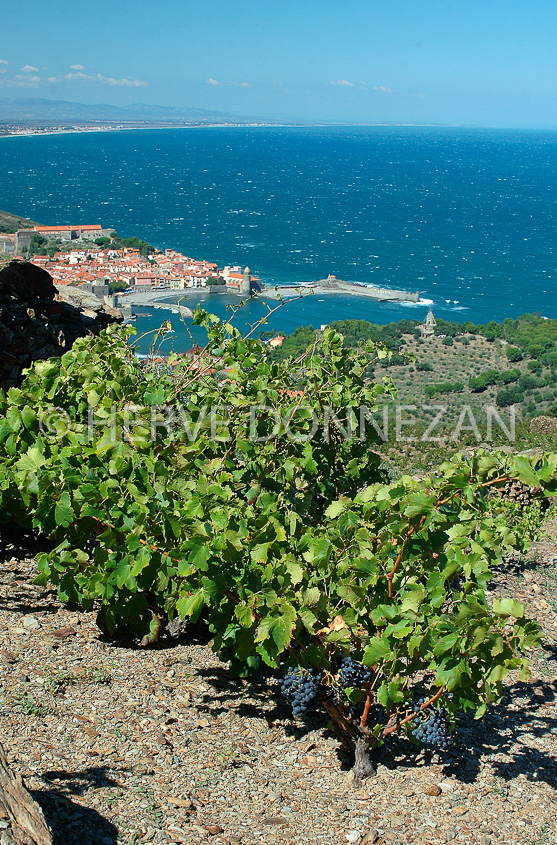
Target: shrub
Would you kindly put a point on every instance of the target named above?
(511, 396)
(443, 387)
(479, 383)
(529, 382)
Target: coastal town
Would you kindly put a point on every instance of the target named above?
(97, 260)
(86, 256)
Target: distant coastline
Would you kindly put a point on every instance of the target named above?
(37, 130)
(33, 132)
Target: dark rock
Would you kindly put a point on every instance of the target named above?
(26, 281)
(39, 320)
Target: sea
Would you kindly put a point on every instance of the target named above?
(466, 216)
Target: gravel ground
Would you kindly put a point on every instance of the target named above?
(164, 746)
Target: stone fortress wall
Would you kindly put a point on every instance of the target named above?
(65, 233)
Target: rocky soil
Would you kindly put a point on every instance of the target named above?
(120, 745)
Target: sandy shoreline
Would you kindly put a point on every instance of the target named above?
(152, 297)
(82, 130)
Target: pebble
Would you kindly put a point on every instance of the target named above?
(370, 838)
(213, 829)
(433, 789)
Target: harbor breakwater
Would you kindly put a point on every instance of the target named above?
(333, 285)
(129, 310)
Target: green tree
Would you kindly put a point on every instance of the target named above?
(514, 353)
(116, 286)
(37, 244)
(132, 243)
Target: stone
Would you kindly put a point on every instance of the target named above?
(544, 424)
(8, 656)
(31, 623)
(26, 281)
(433, 789)
(176, 834)
(40, 320)
(370, 838)
(180, 802)
(62, 633)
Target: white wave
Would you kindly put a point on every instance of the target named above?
(414, 304)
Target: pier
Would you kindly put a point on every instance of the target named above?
(333, 285)
(130, 309)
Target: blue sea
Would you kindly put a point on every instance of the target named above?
(466, 216)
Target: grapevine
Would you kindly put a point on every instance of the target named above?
(294, 548)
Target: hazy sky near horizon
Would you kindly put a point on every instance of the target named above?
(484, 62)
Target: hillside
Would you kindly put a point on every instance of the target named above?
(438, 364)
(509, 368)
(11, 222)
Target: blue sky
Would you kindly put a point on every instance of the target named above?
(485, 62)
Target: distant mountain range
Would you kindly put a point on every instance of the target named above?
(36, 110)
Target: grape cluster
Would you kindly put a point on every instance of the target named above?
(431, 726)
(354, 674)
(300, 687)
(333, 692)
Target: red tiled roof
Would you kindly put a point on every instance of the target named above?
(95, 227)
